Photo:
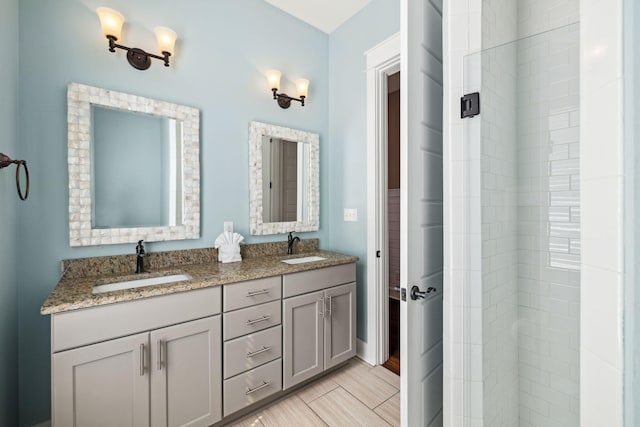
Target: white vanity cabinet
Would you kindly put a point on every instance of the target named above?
(319, 321)
(165, 376)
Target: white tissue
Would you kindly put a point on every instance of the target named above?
(228, 246)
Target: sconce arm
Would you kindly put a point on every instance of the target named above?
(284, 100)
(138, 58)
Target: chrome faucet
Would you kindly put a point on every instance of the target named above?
(290, 241)
(140, 253)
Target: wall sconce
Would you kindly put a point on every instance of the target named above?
(284, 100)
(112, 21)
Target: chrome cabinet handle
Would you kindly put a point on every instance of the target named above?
(159, 344)
(323, 308)
(142, 360)
(261, 386)
(330, 308)
(262, 350)
(262, 319)
(255, 293)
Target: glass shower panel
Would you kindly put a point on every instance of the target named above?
(529, 206)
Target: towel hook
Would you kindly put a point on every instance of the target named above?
(6, 161)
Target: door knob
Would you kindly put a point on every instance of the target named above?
(416, 293)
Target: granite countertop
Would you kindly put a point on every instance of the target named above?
(74, 290)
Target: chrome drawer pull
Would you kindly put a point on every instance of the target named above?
(262, 319)
(263, 385)
(262, 350)
(330, 308)
(142, 360)
(159, 344)
(255, 293)
(323, 308)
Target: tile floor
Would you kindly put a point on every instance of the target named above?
(356, 395)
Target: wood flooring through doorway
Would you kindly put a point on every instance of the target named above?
(393, 363)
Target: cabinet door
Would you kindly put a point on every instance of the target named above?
(302, 357)
(186, 388)
(105, 384)
(340, 325)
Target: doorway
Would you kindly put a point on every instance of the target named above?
(392, 220)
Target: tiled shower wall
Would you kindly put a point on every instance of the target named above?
(549, 228)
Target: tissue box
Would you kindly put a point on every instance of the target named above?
(229, 253)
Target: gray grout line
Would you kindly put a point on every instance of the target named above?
(365, 405)
(317, 414)
(386, 401)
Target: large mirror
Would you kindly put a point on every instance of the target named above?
(284, 179)
(133, 168)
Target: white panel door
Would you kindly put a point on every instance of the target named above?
(421, 212)
(105, 384)
(186, 374)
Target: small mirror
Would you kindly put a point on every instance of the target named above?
(285, 180)
(133, 168)
(284, 167)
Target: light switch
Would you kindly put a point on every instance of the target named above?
(351, 215)
(228, 226)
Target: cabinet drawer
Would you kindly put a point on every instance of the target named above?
(315, 280)
(252, 386)
(253, 350)
(252, 319)
(246, 294)
(94, 324)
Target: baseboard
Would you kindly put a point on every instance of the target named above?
(43, 424)
(365, 352)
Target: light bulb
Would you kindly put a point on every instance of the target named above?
(111, 21)
(273, 78)
(166, 39)
(302, 86)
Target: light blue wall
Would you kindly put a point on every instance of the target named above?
(224, 47)
(348, 132)
(8, 210)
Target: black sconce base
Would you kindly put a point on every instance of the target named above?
(284, 101)
(138, 58)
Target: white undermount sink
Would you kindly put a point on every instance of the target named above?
(303, 260)
(139, 283)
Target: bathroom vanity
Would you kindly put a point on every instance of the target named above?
(200, 351)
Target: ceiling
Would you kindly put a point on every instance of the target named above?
(325, 15)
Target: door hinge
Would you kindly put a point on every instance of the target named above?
(378, 254)
(470, 105)
(403, 294)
